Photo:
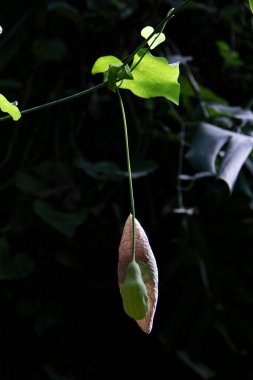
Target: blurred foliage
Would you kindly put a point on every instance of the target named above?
(64, 194)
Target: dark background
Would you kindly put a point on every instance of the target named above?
(62, 212)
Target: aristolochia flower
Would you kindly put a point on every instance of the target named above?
(138, 279)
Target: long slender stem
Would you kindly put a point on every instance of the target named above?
(159, 28)
(180, 167)
(59, 101)
(129, 172)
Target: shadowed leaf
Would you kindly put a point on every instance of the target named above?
(63, 222)
(208, 143)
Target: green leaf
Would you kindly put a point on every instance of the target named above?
(108, 170)
(207, 145)
(202, 370)
(154, 77)
(49, 50)
(29, 184)
(230, 57)
(206, 93)
(102, 64)
(117, 73)
(65, 9)
(155, 40)
(10, 108)
(63, 222)
(251, 5)
(14, 267)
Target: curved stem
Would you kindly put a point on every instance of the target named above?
(159, 29)
(59, 101)
(129, 173)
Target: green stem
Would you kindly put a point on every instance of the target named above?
(129, 173)
(59, 101)
(159, 28)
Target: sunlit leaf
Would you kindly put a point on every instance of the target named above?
(147, 263)
(251, 5)
(154, 77)
(10, 108)
(155, 40)
(102, 64)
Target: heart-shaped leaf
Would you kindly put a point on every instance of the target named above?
(155, 40)
(152, 76)
(102, 64)
(208, 143)
(147, 263)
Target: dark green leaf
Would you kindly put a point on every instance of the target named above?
(202, 370)
(117, 73)
(107, 170)
(65, 9)
(29, 184)
(53, 50)
(63, 222)
(14, 267)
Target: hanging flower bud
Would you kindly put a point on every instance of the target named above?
(132, 275)
(134, 293)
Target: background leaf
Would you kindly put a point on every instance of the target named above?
(251, 5)
(209, 141)
(64, 222)
(107, 170)
(15, 267)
